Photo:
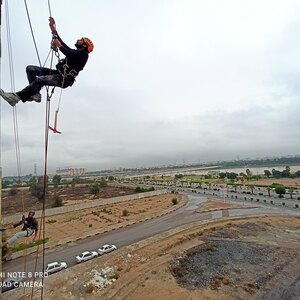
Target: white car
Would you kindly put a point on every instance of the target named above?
(55, 267)
(106, 249)
(84, 256)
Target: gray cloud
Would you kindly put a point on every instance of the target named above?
(169, 81)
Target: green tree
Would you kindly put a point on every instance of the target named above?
(174, 201)
(56, 180)
(125, 213)
(13, 191)
(222, 175)
(5, 184)
(286, 172)
(249, 173)
(40, 179)
(111, 178)
(102, 183)
(232, 175)
(57, 201)
(36, 189)
(276, 173)
(94, 188)
(267, 173)
(280, 190)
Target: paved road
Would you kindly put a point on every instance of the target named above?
(231, 195)
(134, 233)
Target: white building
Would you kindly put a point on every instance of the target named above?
(70, 171)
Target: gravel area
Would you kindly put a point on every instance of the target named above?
(236, 267)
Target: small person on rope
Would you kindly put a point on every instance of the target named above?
(30, 226)
(63, 76)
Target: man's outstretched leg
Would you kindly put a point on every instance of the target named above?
(40, 77)
(32, 73)
(11, 98)
(10, 242)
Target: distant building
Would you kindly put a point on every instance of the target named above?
(70, 172)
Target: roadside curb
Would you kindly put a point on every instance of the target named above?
(222, 209)
(182, 203)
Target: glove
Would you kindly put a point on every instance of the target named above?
(56, 43)
(52, 25)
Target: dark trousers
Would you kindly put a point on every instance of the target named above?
(39, 77)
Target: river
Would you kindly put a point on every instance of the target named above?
(254, 170)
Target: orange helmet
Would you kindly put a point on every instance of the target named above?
(89, 43)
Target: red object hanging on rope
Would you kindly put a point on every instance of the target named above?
(54, 129)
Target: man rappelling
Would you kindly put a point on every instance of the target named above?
(30, 226)
(63, 76)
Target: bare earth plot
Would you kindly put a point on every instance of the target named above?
(71, 226)
(23, 201)
(295, 182)
(255, 258)
(250, 258)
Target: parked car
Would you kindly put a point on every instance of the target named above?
(106, 248)
(84, 256)
(55, 267)
(11, 283)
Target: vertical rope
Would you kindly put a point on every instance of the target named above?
(49, 8)
(12, 83)
(42, 223)
(1, 236)
(32, 34)
(15, 115)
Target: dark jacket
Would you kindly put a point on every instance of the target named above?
(75, 60)
(31, 223)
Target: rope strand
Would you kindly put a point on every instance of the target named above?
(15, 115)
(42, 223)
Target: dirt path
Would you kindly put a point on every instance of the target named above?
(14, 201)
(294, 182)
(67, 227)
(256, 258)
(249, 258)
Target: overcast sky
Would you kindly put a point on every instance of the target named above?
(168, 82)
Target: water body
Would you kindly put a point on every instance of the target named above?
(254, 170)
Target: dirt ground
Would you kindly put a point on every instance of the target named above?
(250, 258)
(293, 182)
(71, 226)
(213, 204)
(24, 201)
(256, 258)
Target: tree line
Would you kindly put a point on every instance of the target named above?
(286, 173)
